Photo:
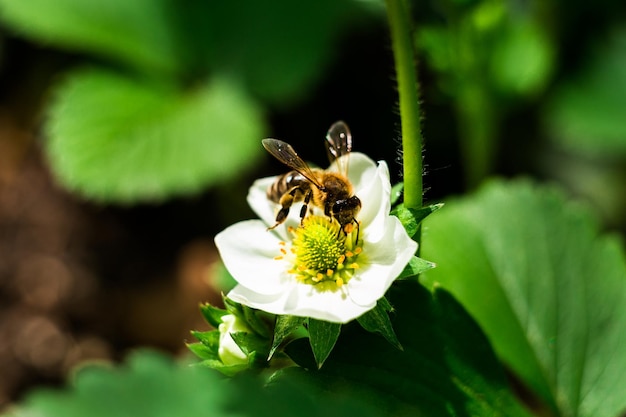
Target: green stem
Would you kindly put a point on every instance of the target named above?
(477, 131)
(476, 112)
(410, 114)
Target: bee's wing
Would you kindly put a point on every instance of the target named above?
(288, 156)
(339, 143)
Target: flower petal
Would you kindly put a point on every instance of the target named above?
(258, 201)
(386, 259)
(271, 303)
(371, 184)
(302, 300)
(337, 307)
(248, 250)
(360, 168)
(376, 200)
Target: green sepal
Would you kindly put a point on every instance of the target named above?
(210, 339)
(256, 348)
(210, 358)
(411, 218)
(233, 307)
(204, 352)
(212, 315)
(218, 365)
(248, 315)
(300, 352)
(396, 192)
(207, 346)
(322, 335)
(285, 326)
(255, 343)
(415, 267)
(377, 321)
(255, 322)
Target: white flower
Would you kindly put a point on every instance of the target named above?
(229, 352)
(314, 270)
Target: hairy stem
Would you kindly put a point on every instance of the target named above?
(408, 91)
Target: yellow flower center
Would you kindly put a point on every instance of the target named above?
(322, 254)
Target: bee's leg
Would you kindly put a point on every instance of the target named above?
(358, 229)
(285, 202)
(328, 209)
(305, 206)
(349, 227)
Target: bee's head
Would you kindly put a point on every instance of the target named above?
(345, 211)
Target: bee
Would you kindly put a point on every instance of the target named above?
(330, 191)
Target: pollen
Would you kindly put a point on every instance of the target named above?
(321, 254)
(318, 243)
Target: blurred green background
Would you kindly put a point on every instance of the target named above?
(130, 133)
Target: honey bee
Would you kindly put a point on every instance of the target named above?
(330, 191)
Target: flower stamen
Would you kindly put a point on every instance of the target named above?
(321, 254)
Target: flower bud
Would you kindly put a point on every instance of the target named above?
(229, 352)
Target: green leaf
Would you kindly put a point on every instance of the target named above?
(377, 321)
(415, 267)
(147, 385)
(285, 325)
(224, 37)
(137, 32)
(113, 138)
(323, 335)
(411, 218)
(437, 45)
(522, 59)
(586, 113)
(548, 290)
(153, 385)
(447, 367)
